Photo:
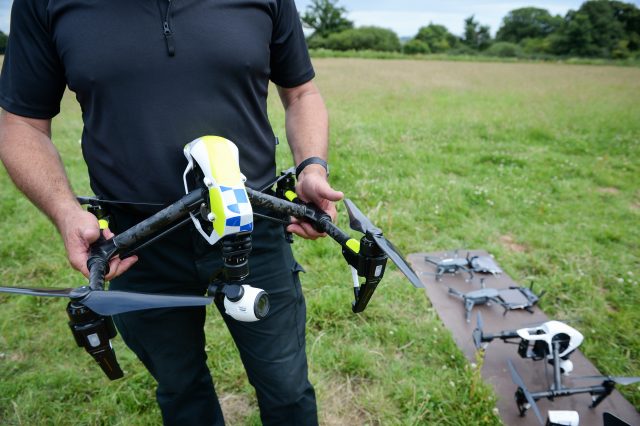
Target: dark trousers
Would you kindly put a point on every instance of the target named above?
(171, 342)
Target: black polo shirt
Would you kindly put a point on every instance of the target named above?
(151, 76)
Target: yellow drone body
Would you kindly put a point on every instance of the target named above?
(230, 210)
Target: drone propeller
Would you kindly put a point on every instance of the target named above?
(523, 388)
(611, 420)
(46, 292)
(359, 222)
(619, 380)
(113, 302)
(477, 332)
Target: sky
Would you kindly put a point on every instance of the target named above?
(405, 17)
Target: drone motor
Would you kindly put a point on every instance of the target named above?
(94, 332)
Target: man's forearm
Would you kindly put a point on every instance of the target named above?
(307, 122)
(35, 166)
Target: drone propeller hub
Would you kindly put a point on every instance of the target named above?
(79, 293)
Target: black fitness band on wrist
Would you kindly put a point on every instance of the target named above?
(311, 160)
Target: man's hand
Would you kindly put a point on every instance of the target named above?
(313, 187)
(35, 167)
(79, 229)
(307, 123)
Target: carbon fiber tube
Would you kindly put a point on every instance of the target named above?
(259, 199)
(320, 219)
(97, 271)
(159, 221)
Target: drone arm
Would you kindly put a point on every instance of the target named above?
(506, 335)
(160, 221)
(364, 256)
(320, 220)
(137, 236)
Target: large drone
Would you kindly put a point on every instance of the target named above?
(220, 207)
(555, 342)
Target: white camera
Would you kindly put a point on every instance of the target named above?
(251, 304)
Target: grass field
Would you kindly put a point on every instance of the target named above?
(537, 163)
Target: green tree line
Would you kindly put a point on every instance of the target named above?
(3, 42)
(598, 29)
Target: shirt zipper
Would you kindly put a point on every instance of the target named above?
(166, 29)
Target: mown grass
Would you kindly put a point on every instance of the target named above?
(537, 163)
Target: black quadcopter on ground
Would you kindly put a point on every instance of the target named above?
(221, 209)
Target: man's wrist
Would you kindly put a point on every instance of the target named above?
(312, 163)
(61, 213)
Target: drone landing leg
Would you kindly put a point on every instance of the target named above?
(468, 271)
(468, 306)
(557, 377)
(608, 386)
(373, 268)
(94, 332)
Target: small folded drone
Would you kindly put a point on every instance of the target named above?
(510, 299)
(469, 264)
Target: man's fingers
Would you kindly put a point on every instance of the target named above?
(118, 266)
(305, 230)
(325, 191)
(78, 262)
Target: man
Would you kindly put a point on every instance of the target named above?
(151, 76)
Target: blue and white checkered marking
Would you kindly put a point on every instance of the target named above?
(240, 217)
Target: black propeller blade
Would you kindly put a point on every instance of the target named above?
(619, 380)
(114, 302)
(118, 302)
(477, 332)
(611, 420)
(359, 222)
(44, 292)
(522, 387)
